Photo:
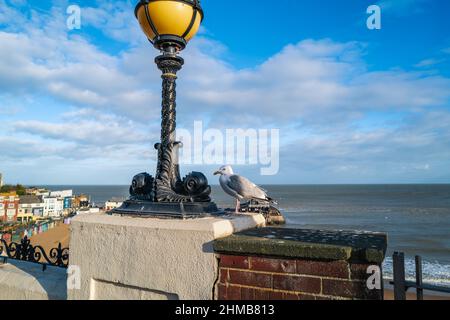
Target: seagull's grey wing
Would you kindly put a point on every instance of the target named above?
(224, 183)
(246, 188)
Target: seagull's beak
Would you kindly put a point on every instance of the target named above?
(217, 173)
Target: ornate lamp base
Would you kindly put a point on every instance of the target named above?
(188, 199)
(179, 210)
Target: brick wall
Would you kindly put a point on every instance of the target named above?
(260, 278)
(290, 264)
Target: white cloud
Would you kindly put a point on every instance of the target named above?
(428, 63)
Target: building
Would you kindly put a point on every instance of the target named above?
(81, 201)
(113, 203)
(37, 191)
(67, 203)
(53, 206)
(56, 203)
(61, 194)
(1, 180)
(30, 206)
(9, 206)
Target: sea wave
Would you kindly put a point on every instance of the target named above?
(432, 272)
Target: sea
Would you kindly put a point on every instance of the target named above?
(415, 217)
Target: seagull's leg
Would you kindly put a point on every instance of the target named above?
(237, 206)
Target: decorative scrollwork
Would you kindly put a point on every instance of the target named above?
(168, 185)
(169, 63)
(142, 187)
(24, 251)
(196, 186)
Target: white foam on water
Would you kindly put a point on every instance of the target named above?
(432, 272)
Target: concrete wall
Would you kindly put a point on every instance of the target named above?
(145, 258)
(21, 280)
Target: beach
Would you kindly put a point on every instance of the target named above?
(50, 239)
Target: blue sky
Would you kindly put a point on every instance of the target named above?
(353, 105)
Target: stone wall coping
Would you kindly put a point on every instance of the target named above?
(221, 226)
(357, 246)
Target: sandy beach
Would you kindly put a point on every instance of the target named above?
(51, 238)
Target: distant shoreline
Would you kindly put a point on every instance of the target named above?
(275, 185)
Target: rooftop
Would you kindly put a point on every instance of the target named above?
(29, 199)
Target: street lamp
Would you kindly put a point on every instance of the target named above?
(169, 25)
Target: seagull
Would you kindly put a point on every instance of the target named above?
(240, 188)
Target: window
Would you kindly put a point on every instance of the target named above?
(11, 206)
(10, 213)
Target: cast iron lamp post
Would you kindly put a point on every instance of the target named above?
(169, 25)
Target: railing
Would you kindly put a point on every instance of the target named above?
(25, 251)
(401, 285)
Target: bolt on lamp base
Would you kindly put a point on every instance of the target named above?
(168, 210)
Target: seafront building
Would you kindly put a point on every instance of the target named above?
(37, 191)
(9, 206)
(39, 204)
(57, 203)
(80, 201)
(31, 207)
(113, 203)
(31, 204)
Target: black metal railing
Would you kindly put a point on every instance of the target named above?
(401, 285)
(25, 251)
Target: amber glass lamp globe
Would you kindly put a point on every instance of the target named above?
(169, 22)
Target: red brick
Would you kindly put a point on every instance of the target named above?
(262, 294)
(290, 296)
(247, 293)
(252, 279)
(306, 297)
(359, 271)
(222, 292)
(332, 269)
(350, 289)
(223, 275)
(237, 262)
(338, 288)
(296, 283)
(272, 265)
(234, 293)
(276, 295)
